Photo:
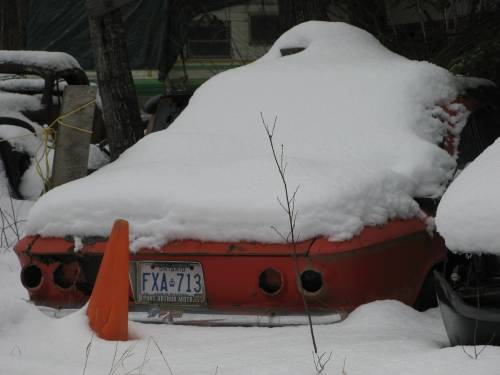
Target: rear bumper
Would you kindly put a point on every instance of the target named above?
(388, 262)
(466, 324)
(214, 319)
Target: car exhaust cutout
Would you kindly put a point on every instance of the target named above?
(311, 281)
(271, 281)
(66, 275)
(31, 277)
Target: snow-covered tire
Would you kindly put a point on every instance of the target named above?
(15, 162)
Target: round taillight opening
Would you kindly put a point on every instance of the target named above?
(311, 281)
(66, 275)
(31, 276)
(271, 281)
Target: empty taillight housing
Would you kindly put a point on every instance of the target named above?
(271, 281)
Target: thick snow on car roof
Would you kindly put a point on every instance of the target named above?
(39, 59)
(359, 124)
(468, 215)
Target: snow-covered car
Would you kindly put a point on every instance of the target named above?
(366, 134)
(31, 86)
(468, 218)
(41, 75)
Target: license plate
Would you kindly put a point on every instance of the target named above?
(172, 283)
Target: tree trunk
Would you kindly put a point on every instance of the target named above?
(293, 12)
(12, 27)
(120, 108)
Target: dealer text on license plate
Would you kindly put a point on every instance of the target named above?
(170, 283)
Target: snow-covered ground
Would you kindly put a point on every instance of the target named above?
(384, 337)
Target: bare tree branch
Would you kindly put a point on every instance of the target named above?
(320, 361)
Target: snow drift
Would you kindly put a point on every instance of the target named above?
(360, 127)
(468, 216)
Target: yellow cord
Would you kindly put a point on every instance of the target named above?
(66, 125)
(77, 109)
(48, 137)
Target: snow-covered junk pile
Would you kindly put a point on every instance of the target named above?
(468, 217)
(369, 139)
(31, 90)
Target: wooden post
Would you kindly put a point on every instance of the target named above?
(73, 140)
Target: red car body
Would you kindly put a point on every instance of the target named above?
(388, 262)
(392, 261)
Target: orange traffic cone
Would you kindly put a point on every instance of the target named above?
(108, 305)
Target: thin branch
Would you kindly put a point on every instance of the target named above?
(162, 355)
(13, 214)
(293, 197)
(114, 358)
(487, 344)
(274, 124)
(465, 351)
(3, 234)
(282, 205)
(127, 353)
(290, 239)
(87, 353)
(476, 326)
(144, 359)
(320, 362)
(343, 367)
(279, 233)
(295, 220)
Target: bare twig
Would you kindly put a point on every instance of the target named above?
(288, 205)
(127, 353)
(162, 355)
(87, 353)
(476, 326)
(320, 361)
(465, 351)
(487, 344)
(285, 239)
(141, 367)
(4, 242)
(16, 229)
(114, 357)
(9, 224)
